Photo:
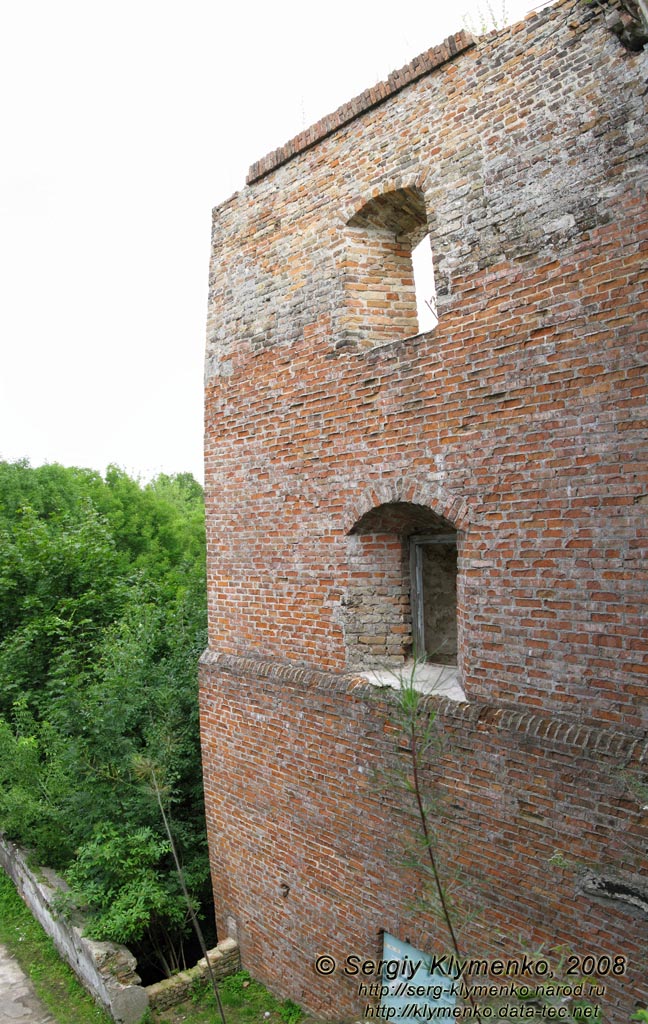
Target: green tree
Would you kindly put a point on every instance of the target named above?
(102, 621)
(60, 586)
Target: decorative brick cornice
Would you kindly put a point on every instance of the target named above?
(417, 68)
(547, 731)
(253, 667)
(552, 731)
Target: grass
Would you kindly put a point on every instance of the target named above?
(55, 984)
(245, 1001)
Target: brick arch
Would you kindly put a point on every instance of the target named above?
(413, 181)
(431, 494)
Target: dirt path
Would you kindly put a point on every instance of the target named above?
(18, 1001)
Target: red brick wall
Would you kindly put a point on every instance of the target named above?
(300, 795)
(520, 421)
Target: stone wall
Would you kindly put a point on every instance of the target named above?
(224, 960)
(519, 422)
(106, 969)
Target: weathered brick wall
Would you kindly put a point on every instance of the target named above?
(301, 796)
(524, 407)
(519, 421)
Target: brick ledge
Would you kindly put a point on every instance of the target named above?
(627, 745)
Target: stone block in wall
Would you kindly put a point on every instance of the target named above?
(224, 959)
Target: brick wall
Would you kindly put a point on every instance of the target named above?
(300, 793)
(519, 421)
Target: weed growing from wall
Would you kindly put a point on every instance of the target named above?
(420, 738)
(145, 769)
(565, 996)
(486, 19)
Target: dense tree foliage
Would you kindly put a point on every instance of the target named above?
(102, 621)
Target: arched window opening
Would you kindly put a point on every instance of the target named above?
(401, 599)
(388, 270)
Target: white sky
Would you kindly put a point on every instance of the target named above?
(121, 125)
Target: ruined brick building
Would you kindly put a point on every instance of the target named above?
(472, 485)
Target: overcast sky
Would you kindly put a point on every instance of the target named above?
(121, 125)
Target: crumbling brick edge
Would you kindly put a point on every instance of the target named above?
(397, 80)
(105, 969)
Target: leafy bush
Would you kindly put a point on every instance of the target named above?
(102, 621)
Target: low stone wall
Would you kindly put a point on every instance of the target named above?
(106, 969)
(224, 959)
